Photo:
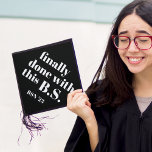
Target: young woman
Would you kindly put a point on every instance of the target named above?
(115, 113)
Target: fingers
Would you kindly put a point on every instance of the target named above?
(75, 91)
(77, 98)
(88, 103)
(83, 102)
(72, 94)
(80, 96)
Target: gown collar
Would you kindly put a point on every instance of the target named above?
(131, 106)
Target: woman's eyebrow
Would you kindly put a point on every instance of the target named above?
(123, 32)
(139, 31)
(142, 31)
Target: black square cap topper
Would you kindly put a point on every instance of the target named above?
(45, 75)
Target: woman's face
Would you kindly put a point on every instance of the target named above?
(137, 61)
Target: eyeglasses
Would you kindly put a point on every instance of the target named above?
(141, 42)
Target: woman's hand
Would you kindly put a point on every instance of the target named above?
(78, 102)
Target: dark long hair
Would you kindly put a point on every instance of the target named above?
(113, 81)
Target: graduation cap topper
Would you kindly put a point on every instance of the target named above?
(45, 75)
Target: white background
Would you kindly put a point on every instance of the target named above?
(89, 41)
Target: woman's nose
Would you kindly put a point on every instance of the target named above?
(132, 47)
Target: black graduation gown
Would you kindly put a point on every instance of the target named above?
(121, 130)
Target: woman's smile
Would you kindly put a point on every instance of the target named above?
(135, 60)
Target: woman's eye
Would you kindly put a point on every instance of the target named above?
(143, 40)
(123, 40)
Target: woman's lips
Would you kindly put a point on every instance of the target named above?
(135, 60)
